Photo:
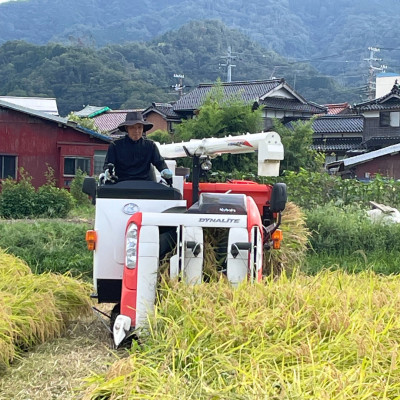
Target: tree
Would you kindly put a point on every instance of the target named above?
(160, 136)
(297, 141)
(220, 116)
(85, 122)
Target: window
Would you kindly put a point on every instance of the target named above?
(384, 119)
(71, 165)
(395, 119)
(389, 119)
(8, 167)
(99, 158)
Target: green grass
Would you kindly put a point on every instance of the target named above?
(49, 245)
(345, 238)
(385, 263)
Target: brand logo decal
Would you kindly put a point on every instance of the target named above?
(240, 143)
(232, 210)
(220, 220)
(130, 208)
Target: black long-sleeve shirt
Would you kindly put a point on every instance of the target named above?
(132, 158)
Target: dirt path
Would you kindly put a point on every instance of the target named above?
(57, 369)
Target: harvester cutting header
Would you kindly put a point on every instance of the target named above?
(139, 222)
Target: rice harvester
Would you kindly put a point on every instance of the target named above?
(137, 223)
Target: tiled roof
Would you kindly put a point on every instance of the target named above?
(339, 124)
(334, 109)
(336, 144)
(292, 105)
(249, 91)
(388, 102)
(109, 121)
(381, 141)
(165, 109)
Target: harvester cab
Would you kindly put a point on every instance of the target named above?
(140, 224)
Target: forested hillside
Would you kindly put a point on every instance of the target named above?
(333, 34)
(136, 74)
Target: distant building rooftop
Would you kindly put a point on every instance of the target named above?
(91, 111)
(109, 121)
(338, 108)
(42, 104)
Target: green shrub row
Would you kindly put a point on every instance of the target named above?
(310, 189)
(19, 199)
(345, 237)
(343, 230)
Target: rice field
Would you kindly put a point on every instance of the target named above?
(35, 308)
(331, 336)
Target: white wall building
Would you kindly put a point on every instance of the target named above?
(385, 82)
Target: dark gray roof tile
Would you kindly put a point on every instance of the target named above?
(336, 144)
(292, 105)
(249, 91)
(339, 124)
(165, 109)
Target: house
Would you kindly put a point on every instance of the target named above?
(36, 140)
(385, 161)
(338, 108)
(278, 99)
(381, 120)
(162, 116)
(337, 135)
(105, 119)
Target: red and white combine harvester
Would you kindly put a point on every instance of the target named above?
(138, 222)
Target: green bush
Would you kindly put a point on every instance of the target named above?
(19, 199)
(52, 202)
(81, 199)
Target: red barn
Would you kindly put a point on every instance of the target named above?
(36, 140)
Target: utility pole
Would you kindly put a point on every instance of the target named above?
(229, 58)
(179, 86)
(372, 71)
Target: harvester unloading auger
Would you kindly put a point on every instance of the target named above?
(138, 222)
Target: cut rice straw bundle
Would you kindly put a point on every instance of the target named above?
(35, 308)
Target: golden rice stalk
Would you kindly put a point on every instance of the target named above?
(10, 264)
(294, 244)
(35, 308)
(330, 336)
(6, 343)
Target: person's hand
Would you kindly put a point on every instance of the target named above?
(167, 175)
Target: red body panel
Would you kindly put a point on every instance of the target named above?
(254, 219)
(129, 280)
(260, 193)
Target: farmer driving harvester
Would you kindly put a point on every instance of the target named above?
(133, 155)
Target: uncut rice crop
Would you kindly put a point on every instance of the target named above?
(331, 336)
(294, 244)
(35, 308)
